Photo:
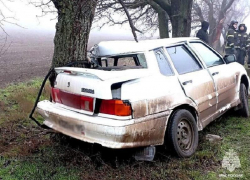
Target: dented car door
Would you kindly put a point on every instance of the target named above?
(195, 80)
(223, 76)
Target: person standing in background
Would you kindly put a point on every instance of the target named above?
(202, 33)
(248, 51)
(241, 45)
(231, 38)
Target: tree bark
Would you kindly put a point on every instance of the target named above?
(212, 24)
(163, 24)
(179, 12)
(181, 17)
(72, 30)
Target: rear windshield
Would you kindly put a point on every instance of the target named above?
(133, 61)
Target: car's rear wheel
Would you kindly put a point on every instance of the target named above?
(244, 110)
(183, 133)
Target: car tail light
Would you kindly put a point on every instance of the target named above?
(115, 107)
(56, 95)
(72, 100)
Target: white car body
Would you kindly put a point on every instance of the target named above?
(207, 94)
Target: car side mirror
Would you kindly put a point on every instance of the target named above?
(230, 58)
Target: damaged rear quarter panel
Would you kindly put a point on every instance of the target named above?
(150, 95)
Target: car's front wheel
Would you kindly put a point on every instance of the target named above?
(244, 110)
(182, 133)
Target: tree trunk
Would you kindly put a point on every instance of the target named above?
(72, 30)
(212, 30)
(179, 12)
(181, 17)
(163, 24)
(212, 23)
(162, 19)
(216, 26)
(216, 42)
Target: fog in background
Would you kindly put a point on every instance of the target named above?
(42, 29)
(31, 28)
(29, 47)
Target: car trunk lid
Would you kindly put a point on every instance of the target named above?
(79, 88)
(94, 83)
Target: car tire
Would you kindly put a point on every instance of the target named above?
(244, 110)
(182, 133)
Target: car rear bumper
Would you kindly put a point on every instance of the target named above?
(112, 133)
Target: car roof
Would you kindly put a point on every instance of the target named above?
(109, 48)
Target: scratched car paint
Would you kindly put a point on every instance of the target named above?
(121, 105)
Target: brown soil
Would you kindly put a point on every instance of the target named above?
(24, 61)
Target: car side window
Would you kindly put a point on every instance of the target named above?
(163, 63)
(183, 60)
(209, 57)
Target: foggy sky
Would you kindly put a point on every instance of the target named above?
(25, 15)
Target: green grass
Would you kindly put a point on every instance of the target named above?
(34, 169)
(28, 152)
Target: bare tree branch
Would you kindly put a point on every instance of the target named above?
(143, 16)
(4, 43)
(46, 7)
(133, 28)
(165, 5)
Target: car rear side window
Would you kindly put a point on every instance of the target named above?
(183, 60)
(122, 62)
(126, 61)
(209, 57)
(163, 63)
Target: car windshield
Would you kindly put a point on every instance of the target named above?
(122, 62)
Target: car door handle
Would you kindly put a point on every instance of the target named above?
(187, 82)
(215, 73)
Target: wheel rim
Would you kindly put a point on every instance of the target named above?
(185, 135)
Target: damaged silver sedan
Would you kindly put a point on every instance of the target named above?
(147, 93)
